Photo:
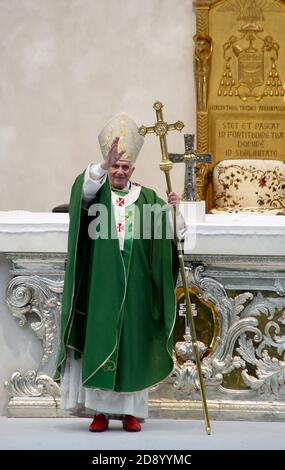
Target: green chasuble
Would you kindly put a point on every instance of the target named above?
(119, 316)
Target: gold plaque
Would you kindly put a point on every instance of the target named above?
(240, 80)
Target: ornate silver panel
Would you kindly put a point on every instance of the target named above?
(34, 298)
(247, 361)
(247, 295)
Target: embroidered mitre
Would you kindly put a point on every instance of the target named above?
(124, 127)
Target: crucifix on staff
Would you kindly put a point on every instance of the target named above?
(161, 128)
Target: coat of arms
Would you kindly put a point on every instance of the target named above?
(250, 55)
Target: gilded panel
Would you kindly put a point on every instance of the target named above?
(239, 60)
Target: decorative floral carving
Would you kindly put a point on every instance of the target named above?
(30, 384)
(34, 294)
(34, 298)
(249, 335)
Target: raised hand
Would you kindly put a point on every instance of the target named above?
(113, 155)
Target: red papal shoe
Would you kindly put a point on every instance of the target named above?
(99, 424)
(131, 424)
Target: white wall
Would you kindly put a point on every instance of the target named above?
(67, 66)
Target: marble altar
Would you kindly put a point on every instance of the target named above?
(236, 274)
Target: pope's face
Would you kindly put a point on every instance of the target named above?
(120, 173)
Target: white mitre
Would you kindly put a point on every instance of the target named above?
(124, 127)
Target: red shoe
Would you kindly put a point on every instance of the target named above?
(99, 424)
(131, 424)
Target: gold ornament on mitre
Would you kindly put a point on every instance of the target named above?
(125, 128)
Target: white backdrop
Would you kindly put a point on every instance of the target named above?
(66, 67)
